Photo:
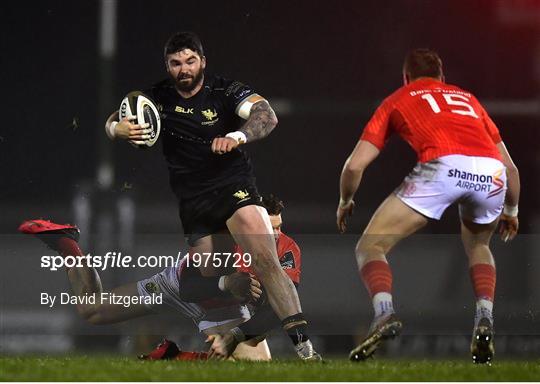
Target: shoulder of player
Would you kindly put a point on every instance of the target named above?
(216, 83)
(160, 88)
(389, 102)
(395, 96)
(228, 88)
(286, 241)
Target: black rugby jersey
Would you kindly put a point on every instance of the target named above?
(188, 128)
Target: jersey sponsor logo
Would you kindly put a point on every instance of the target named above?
(242, 94)
(493, 184)
(287, 261)
(498, 182)
(242, 196)
(211, 116)
(439, 90)
(187, 111)
(469, 176)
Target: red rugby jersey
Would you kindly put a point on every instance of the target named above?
(289, 257)
(436, 119)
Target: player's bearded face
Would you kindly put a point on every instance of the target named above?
(186, 81)
(186, 69)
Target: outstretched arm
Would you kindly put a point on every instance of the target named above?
(362, 155)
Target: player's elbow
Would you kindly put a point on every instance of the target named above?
(353, 167)
(273, 121)
(270, 116)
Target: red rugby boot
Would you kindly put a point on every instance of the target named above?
(59, 237)
(165, 350)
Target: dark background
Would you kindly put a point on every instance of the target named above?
(323, 67)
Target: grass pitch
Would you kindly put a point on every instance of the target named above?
(85, 368)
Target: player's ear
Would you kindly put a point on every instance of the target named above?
(203, 62)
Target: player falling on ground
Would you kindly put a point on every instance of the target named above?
(225, 343)
(176, 285)
(214, 304)
(205, 119)
(461, 159)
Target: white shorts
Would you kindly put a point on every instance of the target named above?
(478, 184)
(167, 283)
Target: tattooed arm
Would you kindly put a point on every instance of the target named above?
(261, 121)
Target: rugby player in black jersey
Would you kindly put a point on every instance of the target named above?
(205, 119)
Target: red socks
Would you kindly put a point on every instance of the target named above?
(483, 277)
(377, 277)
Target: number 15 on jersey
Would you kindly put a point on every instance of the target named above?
(452, 100)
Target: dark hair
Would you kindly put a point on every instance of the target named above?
(423, 62)
(273, 204)
(183, 40)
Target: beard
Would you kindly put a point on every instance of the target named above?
(187, 86)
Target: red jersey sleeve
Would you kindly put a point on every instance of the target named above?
(378, 129)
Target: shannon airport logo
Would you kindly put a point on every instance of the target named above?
(492, 184)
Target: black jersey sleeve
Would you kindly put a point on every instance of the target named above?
(236, 92)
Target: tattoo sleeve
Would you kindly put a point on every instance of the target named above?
(262, 120)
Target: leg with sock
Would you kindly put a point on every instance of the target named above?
(377, 278)
(296, 328)
(476, 238)
(483, 278)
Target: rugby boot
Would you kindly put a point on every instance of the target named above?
(482, 347)
(168, 350)
(165, 350)
(305, 351)
(385, 328)
(50, 233)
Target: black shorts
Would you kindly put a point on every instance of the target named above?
(208, 213)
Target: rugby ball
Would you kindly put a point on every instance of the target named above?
(145, 110)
